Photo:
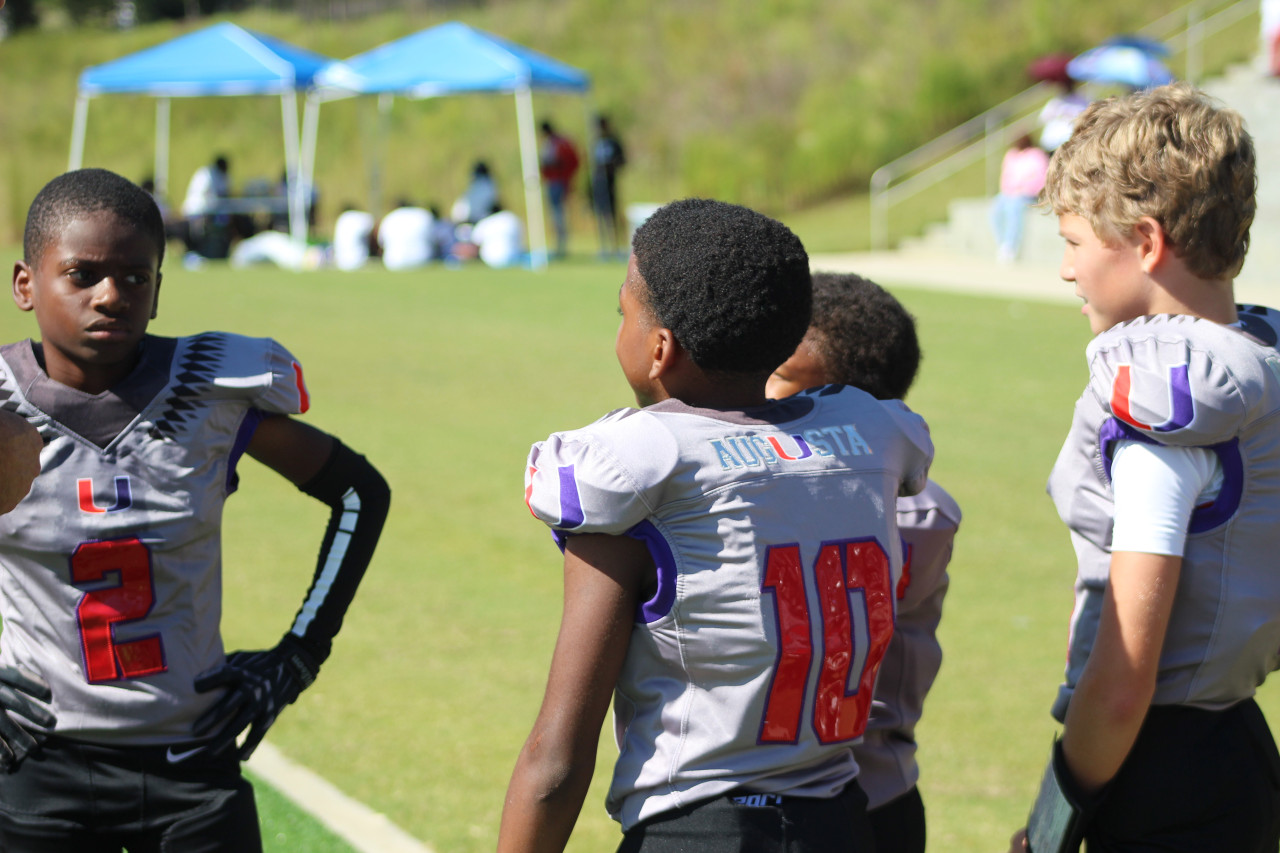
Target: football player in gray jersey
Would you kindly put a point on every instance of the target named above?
(729, 564)
(862, 336)
(1169, 482)
(119, 708)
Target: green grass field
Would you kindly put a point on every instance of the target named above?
(286, 828)
(443, 378)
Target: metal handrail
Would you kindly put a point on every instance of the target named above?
(986, 136)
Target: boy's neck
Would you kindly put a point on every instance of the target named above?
(89, 378)
(1182, 292)
(724, 391)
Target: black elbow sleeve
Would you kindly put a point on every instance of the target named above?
(359, 499)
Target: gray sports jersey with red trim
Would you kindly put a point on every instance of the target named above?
(1181, 381)
(110, 569)
(887, 766)
(752, 665)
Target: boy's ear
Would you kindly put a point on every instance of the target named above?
(155, 300)
(665, 352)
(22, 286)
(1151, 242)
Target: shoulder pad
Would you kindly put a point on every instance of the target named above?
(933, 499)
(603, 478)
(258, 370)
(1260, 323)
(1177, 379)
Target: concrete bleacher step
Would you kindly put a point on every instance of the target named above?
(967, 230)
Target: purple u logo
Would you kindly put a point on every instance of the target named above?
(1181, 405)
(123, 499)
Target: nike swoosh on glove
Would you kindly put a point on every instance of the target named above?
(18, 689)
(258, 686)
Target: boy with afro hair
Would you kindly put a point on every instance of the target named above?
(728, 564)
(862, 336)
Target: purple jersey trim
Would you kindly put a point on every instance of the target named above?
(665, 563)
(1228, 500)
(1203, 518)
(571, 514)
(244, 435)
(1184, 409)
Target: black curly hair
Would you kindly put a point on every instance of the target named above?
(83, 191)
(863, 335)
(731, 284)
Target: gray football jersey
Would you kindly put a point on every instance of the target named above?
(887, 766)
(777, 553)
(110, 569)
(1181, 381)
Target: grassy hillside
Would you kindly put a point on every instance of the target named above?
(777, 105)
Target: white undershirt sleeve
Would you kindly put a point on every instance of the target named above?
(1156, 489)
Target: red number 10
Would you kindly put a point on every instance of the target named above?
(101, 609)
(840, 569)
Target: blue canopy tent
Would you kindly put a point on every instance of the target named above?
(221, 60)
(453, 59)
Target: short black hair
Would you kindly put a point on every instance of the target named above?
(863, 335)
(84, 191)
(731, 284)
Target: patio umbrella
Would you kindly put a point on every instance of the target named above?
(1145, 44)
(1119, 63)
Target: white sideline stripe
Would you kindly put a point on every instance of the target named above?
(355, 823)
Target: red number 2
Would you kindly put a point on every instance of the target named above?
(100, 610)
(841, 569)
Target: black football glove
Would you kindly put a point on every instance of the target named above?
(258, 686)
(18, 688)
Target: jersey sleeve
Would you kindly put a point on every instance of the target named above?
(605, 478)
(919, 454)
(1157, 488)
(265, 372)
(1160, 379)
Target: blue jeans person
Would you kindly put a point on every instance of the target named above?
(556, 192)
(1008, 218)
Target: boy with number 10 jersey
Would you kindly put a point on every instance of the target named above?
(729, 562)
(777, 564)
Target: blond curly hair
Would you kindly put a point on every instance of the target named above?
(1171, 153)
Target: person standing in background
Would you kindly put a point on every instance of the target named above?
(558, 161)
(1021, 179)
(607, 157)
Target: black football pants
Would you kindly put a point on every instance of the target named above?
(1195, 781)
(759, 823)
(71, 797)
(898, 825)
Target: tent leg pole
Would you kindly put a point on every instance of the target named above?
(532, 182)
(292, 175)
(162, 147)
(310, 127)
(77, 132)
